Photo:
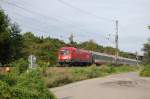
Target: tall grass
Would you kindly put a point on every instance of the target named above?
(57, 76)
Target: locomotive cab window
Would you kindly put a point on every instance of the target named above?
(64, 52)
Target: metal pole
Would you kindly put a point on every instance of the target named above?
(116, 43)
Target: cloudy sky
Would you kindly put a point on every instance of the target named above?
(86, 19)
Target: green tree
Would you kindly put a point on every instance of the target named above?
(10, 40)
(71, 40)
(146, 50)
(29, 41)
(5, 39)
(16, 42)
(91, 45)
(45, 49)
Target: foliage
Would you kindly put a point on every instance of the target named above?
(27, 85)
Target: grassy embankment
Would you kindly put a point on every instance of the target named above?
(145, 71)
(20, 84)
(58, 76)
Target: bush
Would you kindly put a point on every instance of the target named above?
(43, 67)
(4, 90)
(9, 78)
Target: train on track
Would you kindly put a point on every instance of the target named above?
(75, 56)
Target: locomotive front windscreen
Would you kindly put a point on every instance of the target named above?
(64, 52)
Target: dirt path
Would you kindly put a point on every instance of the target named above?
(120, 86)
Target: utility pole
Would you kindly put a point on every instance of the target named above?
(116, 43)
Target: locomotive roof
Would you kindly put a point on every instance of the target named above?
(75, 48)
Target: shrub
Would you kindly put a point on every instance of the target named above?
(43, 67)
(4, 90)
(9, 78)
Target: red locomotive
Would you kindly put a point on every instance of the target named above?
(74, 56)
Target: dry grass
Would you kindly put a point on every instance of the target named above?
(58, 76)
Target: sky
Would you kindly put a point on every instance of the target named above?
(86, 19)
